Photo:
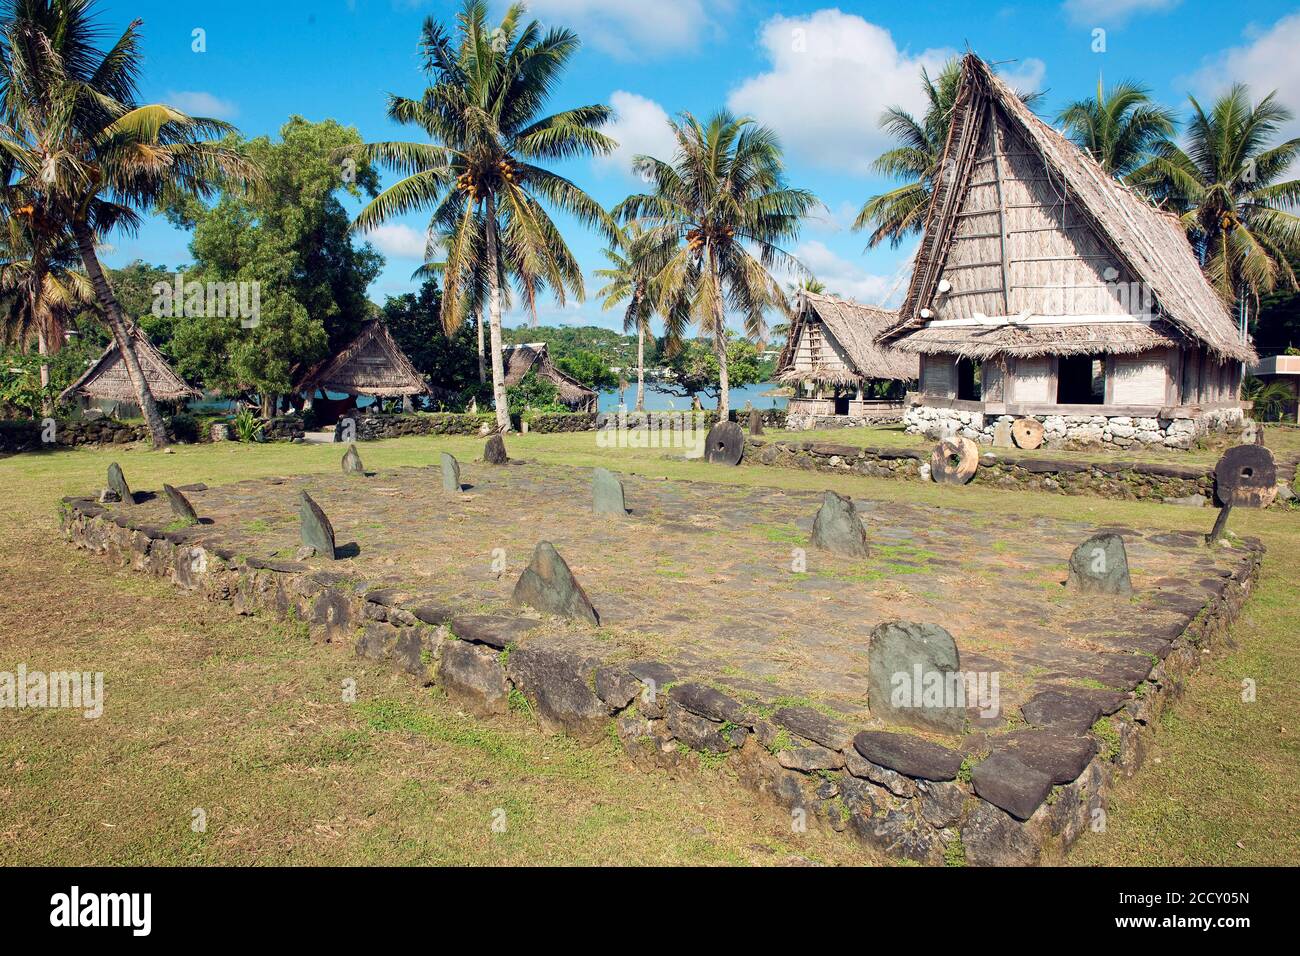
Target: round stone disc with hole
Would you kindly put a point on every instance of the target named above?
(1027, 432)
(725, 444)
(1246, 477)
(954, 461)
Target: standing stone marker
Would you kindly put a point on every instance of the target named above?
(450, 473)
(1002, 435)
(316, 530)
(914, 677)
(117, 484)
(548, 585)
(607, 493)
(838, 528)
(494, 452)
(181, 506)
(1100, 566)
(725, 444)
(1027, 432)
(1246, 475)
(352, 461)
(755, 422)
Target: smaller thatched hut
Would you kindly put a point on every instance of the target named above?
(107, 380)
(519, 360)
(371, 364)
(831, 354)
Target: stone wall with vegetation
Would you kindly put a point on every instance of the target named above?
(1119, 480)
(374, 427)
(899, 793)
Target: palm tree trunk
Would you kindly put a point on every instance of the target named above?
(482, 367)
(117, 325)
(494, 318)
(720, 344)
(640, 367)
(43, 349)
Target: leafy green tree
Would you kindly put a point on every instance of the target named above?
(1119, 127)
(589, 369)
(450, 361)
(292, 237)
(1228, 184)
(695, 369)
(714, 228)
(479, 170)
(90, 158)
(534, 393)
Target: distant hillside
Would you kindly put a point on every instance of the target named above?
(614, 348)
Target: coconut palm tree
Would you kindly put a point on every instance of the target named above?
(628, 278)
(900, 213)
(1227, 183)
(73, 138)
(479, 169)
(1119, 127)
(40, 287)
(714, 226)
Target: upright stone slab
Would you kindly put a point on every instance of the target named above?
(494, 452)
(352, 461)
(181, 506)
(607, 493)
(117, 484)
(725, 444)
(450, 473)
(755, 422)
(316, 530)
(914, 677)
(1100, 566)
(1002, 435)
(548, 585)
(838, 528)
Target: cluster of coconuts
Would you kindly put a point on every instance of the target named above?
(467, 182)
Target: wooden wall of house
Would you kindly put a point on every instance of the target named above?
(1141, 379)
(817, 348)
(1033, 379)
(1054, 262)
(939, 376)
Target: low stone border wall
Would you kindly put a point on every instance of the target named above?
(375, 427)
(897, 792)
(1120, 480)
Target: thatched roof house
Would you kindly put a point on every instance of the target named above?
(371, 364)
(107, 379)
(831, 353)
(534, 357)
(1044, 287)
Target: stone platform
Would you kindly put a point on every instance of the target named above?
(724, 636)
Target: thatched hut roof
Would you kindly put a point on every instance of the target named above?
(855, 327)
(107, 378)
(1029, 229)
(372, 364)
(534, 357)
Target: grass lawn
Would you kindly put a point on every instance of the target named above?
(244, 719)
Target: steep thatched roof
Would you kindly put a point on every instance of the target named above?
(107, 378)
(1025, 226)
(372, 364)
(534, 357)
(855, 328)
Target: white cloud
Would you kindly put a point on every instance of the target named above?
(641, 129)
(840, 276)
(633, 29)
(1026, 76)
(398, 241)
(832, 76)
(1111, 12)
(198, 103)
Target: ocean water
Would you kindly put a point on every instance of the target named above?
(658, 401)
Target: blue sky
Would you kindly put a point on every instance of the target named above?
(820, 75)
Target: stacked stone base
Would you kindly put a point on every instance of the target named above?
(1116, 431)
(798, 757)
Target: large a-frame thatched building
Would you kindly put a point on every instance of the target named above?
(1045, 288)
(831, 354)
(371, 364)
(107, 379)
(534, 357)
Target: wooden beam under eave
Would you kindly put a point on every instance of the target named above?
(1002, 207)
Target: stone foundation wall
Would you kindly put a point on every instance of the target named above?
(375, 427)
(806, 422)
(1120, 480)
(921, 806)
(1115, 431)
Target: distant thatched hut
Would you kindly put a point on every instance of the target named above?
(533, 357)
(371, 364)
(107, 380)
(1045, 288)
(831, 354)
